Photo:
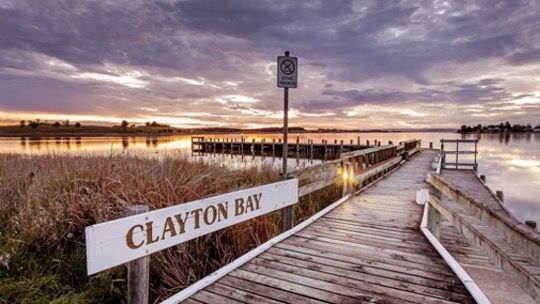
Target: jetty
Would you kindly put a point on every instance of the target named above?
(308, 148)
(411, 225)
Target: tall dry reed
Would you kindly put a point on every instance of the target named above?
(47, 201)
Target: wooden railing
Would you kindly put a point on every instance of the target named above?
(467, 148)
(446, 202)
(353, 169)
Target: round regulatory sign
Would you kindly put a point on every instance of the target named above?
(287, 66)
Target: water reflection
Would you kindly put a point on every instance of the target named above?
(511, 162)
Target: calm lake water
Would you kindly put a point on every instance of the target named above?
(511, 162)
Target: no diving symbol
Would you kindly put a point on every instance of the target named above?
(287, 66)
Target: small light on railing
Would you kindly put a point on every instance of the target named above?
(345, 175)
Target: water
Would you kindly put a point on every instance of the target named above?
(511, 162)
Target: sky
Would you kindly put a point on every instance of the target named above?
(362, 64)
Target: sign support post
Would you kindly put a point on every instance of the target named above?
(287, 74)
(287, 214)
(138, 270)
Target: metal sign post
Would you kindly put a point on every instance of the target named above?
(287, 76)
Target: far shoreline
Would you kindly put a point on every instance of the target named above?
(196, 133)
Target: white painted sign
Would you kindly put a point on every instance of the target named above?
(119, 241)
(287, 72)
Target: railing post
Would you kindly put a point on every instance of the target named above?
(138, 270)
(346, 177)
(500, 195)
(434, 221)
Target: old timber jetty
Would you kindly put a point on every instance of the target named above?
(413, 225)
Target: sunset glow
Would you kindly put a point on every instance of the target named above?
(365, 64)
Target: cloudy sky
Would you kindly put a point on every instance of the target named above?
(363, 64)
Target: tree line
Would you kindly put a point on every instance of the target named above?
(57, 124)
(501, 127)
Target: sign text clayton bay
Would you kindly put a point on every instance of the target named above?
(119, 241)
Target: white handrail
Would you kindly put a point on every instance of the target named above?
(202, 283)
(463, 276)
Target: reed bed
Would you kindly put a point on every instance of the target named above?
(47, 201)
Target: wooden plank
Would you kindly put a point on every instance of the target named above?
(285, 296)
(361, 266)
(238, 294)
(209, 297)
(309, 289)
(293, 274)
(390, 280)
(375, 261)
(372, 291)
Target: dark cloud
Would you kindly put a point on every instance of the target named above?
(347, 50)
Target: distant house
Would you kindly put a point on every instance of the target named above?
(536, 129)
(494, 129)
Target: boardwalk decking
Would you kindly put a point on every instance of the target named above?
(367, 250)
(499, 239)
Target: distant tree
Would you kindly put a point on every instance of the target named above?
(34, 124)
(22, 123)
(147, 124)
(56, 124)
(77, 125)
(154, 124)
(507, 125)
(66, 123)
(463, 128)
(124, 124)
(501, 126)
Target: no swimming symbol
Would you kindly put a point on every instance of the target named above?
(287, 66)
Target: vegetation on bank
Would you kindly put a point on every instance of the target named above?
(39, 127)
(502, 127)
(47, 201)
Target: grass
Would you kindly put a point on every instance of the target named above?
(47, 201)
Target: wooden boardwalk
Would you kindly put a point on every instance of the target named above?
(367, 250)
(499, 253)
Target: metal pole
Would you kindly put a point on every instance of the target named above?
(287, 213)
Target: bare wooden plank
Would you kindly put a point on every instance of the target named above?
(320, 283)
(296, 285)
(434, 272)
(360, 266)
(389, 284)
(209, 297)
(285, 296)
(238, 294)
(372, 291)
